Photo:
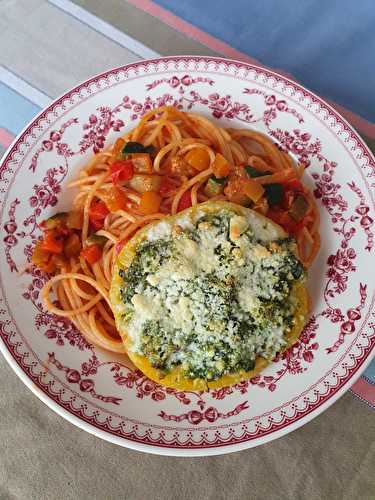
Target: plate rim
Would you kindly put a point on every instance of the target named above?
(173, 450)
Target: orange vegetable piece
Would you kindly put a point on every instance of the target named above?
(115, 199)
(253, 190)
(150, 203)
(52, 243)
(75, 219)
(220, 166)
(118, 146)
(91, 253)
(198, 158)
(49, 267)
(40, 257)
(234, 192)
(116, 150)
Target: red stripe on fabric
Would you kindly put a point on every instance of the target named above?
(365, 391)
(217, 45)
(6, 138)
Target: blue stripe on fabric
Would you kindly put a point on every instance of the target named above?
(15, 109)
(327, 46)
(369, 373)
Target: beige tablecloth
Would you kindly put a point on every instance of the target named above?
(43, 456)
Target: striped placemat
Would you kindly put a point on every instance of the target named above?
(65, 42)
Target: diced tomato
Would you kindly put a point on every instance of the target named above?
(98, 212)
(52, 243)
(91, 253)
(285, 221)
(122, 171)
(166, 186)
(294, 227)
(185, 201)
(62, 231)
(293, 185)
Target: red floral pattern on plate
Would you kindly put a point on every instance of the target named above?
(80, 368)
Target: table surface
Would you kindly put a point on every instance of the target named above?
(46, 48)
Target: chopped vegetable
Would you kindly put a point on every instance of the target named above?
(75, 219)
(284, 220)
(49, 267)
(220, 166)
(142, 163)
(115, 199)
(72, 245)
(299, 208)
(185, 201)
(142, 183)
(58, 260)
(40, 257)
(91, 253)
(274, 193)
(166, 186)
(253, 189)
(52, 242)
(234, 192)
(150, 203)
(180, 167)
(97, 239)
(98, 212)
(261, 206)
(221, 180)
(214, 186)
(55, 221)
(136, 147)
(118, 146)
(293, 185)
(198, 158)
(253, 172)
(122, 170)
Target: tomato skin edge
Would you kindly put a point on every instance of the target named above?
(185, 201)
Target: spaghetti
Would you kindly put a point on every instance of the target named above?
(170, 161)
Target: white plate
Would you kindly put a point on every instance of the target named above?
(91, 388)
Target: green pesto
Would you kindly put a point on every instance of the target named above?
(235, 310)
